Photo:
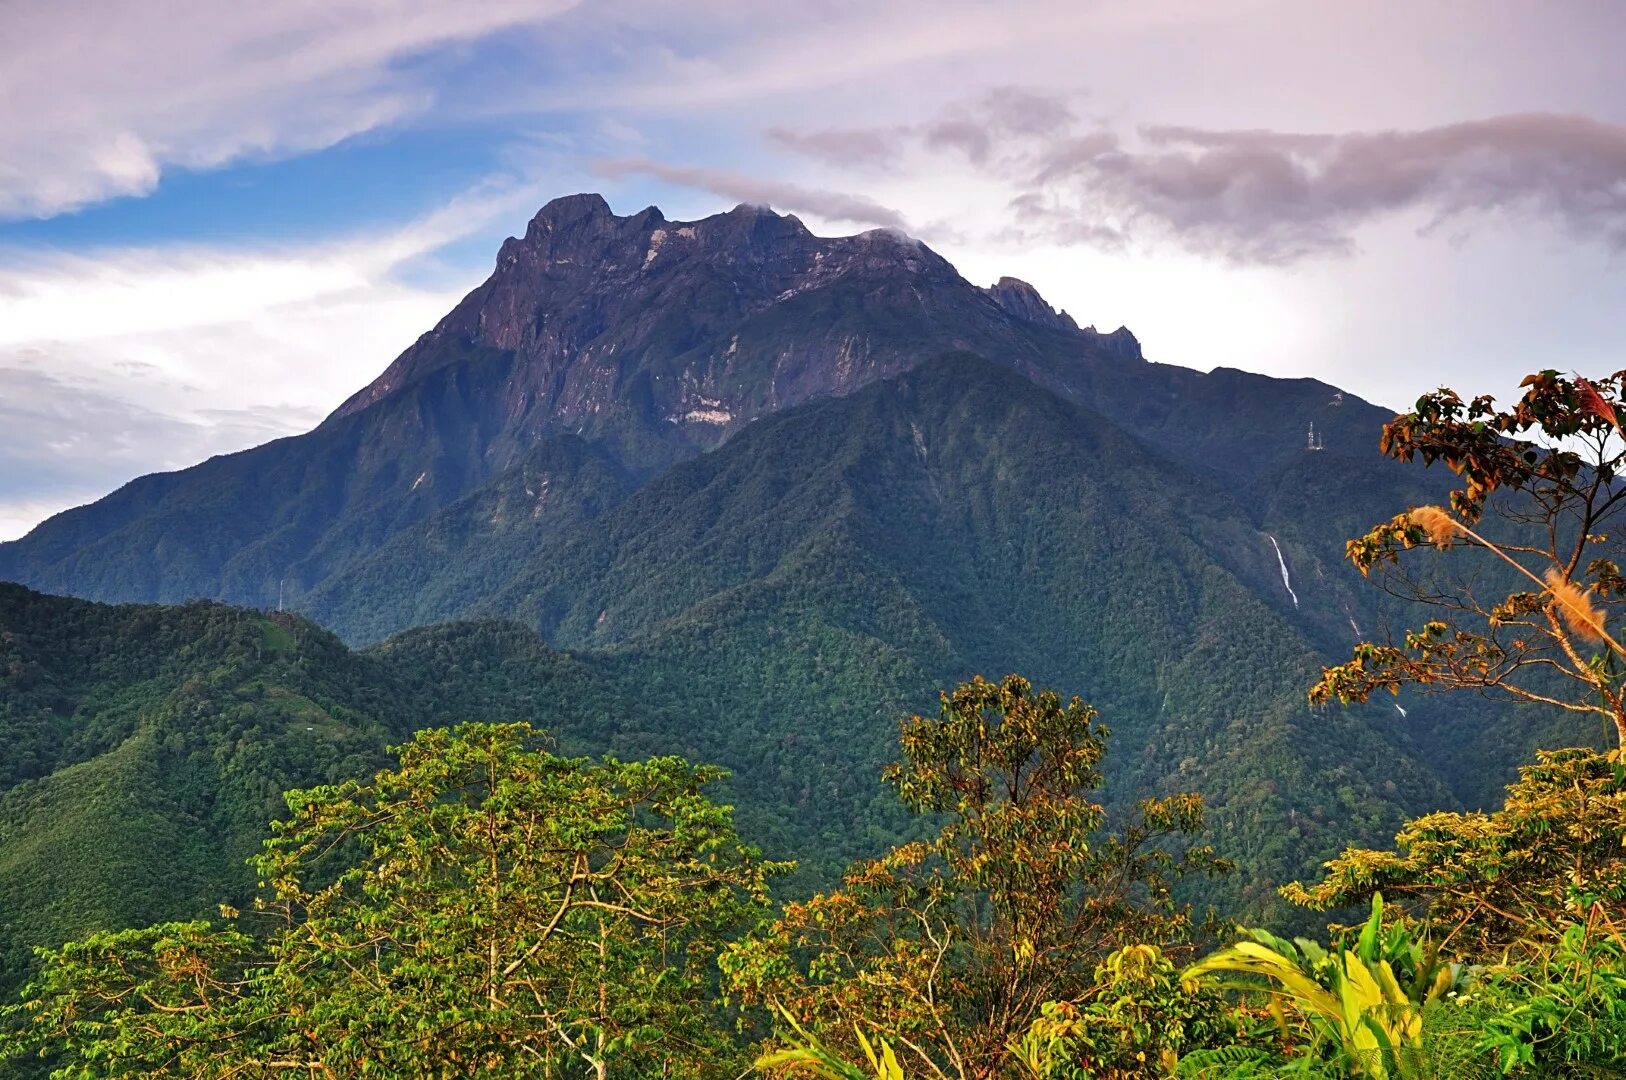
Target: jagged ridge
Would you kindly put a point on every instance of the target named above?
(651, 339)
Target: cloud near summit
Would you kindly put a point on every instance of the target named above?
(779, 194)
(1253, 196)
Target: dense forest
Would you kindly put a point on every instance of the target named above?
(447, 889)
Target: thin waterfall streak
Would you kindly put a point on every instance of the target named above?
(1287, 581)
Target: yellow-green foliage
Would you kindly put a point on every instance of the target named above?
(485, 909)
(1507, 880)
(1365, 1002)
(949, 947)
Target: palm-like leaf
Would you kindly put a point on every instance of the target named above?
(810, 1056)
(1356, 1000)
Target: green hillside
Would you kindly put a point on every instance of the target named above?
(150, 745)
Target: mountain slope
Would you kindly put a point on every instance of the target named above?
(796, 591)
(775, 606)
(633, 343)
(775, 490)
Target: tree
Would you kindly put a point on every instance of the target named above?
(485, 909)
(1512, 880)
(948, 948)
(1141, 1017)
(1547, 468)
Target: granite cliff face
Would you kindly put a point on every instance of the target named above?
(1023, 300)
(604, 325)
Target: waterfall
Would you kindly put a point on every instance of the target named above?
(1286, 581)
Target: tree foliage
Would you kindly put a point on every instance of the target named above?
(487, 908)
(1140, 1017)
(1562, 1012)
(1509, 880)
(950, 947)
(1547, 468)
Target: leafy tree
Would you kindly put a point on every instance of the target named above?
(485, 909)
(1141, 1016)
(1551, 462)
(949, 947)
(1514, 878)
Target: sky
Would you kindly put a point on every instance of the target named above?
(219, 220)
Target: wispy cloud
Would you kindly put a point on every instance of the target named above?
(101, 97)
(68, 437)
(845, 148)
(975, 128)
(117, 363)
(741, 51)
(780, 194)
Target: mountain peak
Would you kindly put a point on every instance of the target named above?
(1023, 301)
(570, 208)
(675, 333)
(1122, 343)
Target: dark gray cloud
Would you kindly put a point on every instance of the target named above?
(1265, 196)
(782, 195)
(853, 148)
(1016, 110)
(973, 138)
(1259, 196)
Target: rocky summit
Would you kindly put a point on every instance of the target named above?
(650, 339)
(603, 321)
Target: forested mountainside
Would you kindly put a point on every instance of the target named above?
(485, 903)
(151, 744)
(789, 595)
(739, 493)
(774, 606)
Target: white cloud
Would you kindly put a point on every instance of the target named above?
(118, 363)
(101, 96)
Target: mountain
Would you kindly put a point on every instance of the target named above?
(602, 350)
(772, 490)
(815, 578)
(146, 747)
(652, 339)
